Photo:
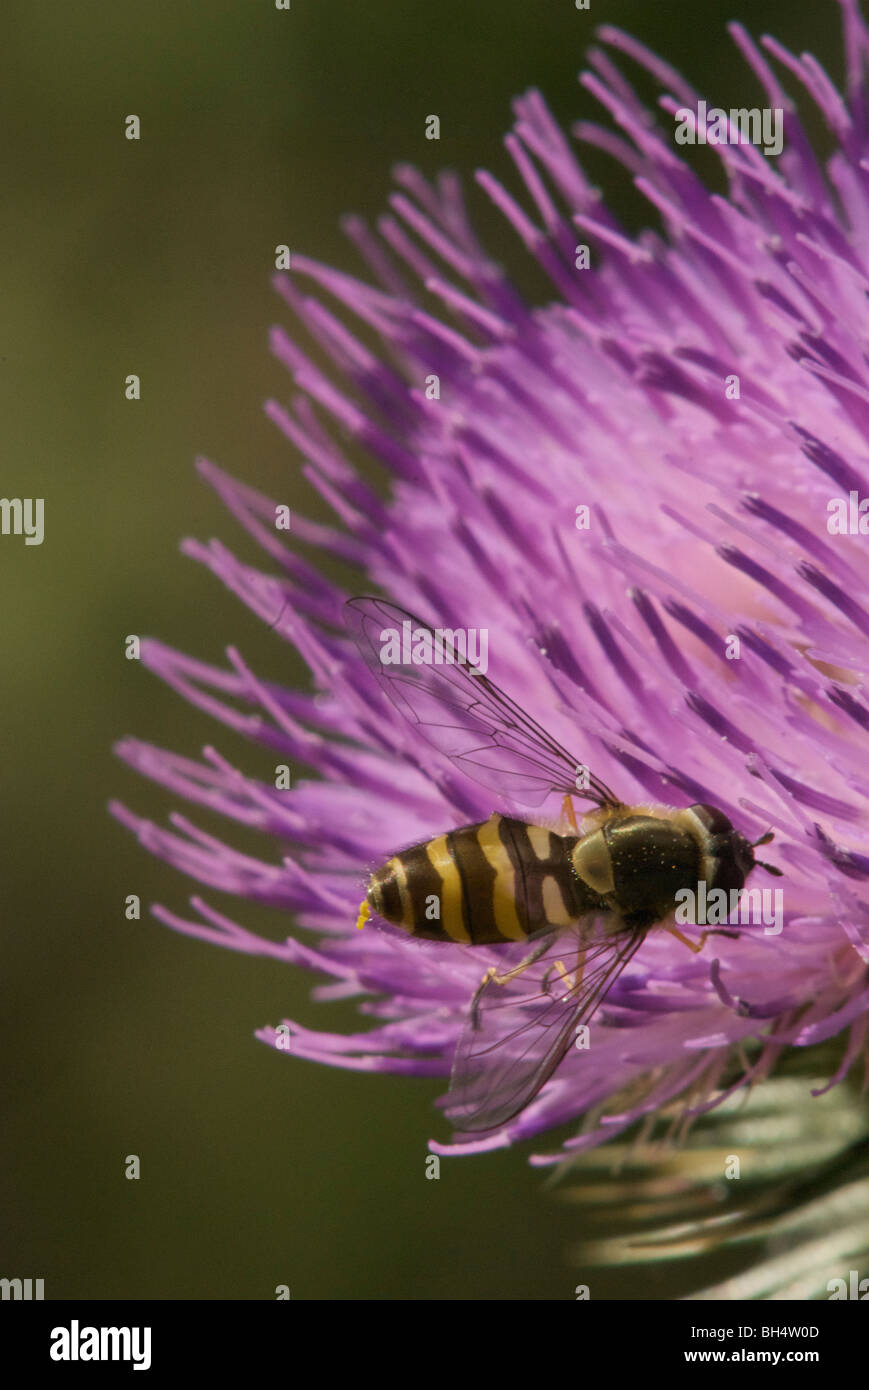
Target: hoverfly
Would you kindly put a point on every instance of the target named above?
(509, 880)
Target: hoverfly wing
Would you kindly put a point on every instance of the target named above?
(511, 1044)
(464, 715)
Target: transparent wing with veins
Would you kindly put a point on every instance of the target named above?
(512, 1043)
(465, 716)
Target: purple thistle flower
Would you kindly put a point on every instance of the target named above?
(704, 392)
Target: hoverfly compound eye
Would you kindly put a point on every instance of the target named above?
(726, 856)
(712, 820)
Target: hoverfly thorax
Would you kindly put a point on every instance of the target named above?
(638, 863)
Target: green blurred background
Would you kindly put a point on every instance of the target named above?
(258, 127)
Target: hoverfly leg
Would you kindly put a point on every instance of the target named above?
(692, 946)
(562, 971)
(492, 973)
(573, 981)
(568, 813)
(539, 950)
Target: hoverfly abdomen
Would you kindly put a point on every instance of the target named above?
(501, 880)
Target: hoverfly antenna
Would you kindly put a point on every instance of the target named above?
(770, 868)
(764, 839)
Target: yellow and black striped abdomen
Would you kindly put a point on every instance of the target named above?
(484, 884)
